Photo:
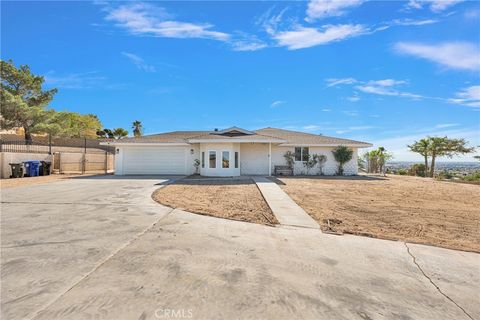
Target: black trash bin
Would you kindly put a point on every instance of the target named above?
(17, 170)
(45, 168)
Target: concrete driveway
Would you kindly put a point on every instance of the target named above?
(100, 248)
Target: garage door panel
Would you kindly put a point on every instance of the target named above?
(154, 160)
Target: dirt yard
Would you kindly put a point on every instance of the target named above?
(230, 199)
(18, 182)
(412, 209)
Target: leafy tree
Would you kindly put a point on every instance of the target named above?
(137, 128)
(72, 125)
(418, 170)
(422, 147)
(342, 155)
(23, 101)
(445, 147)
(119, 133)
(311, 162)
(376, 160)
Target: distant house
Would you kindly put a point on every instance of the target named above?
(230, 152)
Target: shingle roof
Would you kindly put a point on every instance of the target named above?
(262, 135)
(297, 137)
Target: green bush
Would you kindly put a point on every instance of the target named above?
(475, 177)
(417, 169)
(402, 172)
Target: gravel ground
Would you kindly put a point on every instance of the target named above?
(396, 207)
(229, 198)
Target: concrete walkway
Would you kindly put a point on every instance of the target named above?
(283, 207)
(101, 248)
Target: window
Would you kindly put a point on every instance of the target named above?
(305, 154)
(301, 153)
(236, 159)
(225, 159)
(203, 159)
(213, 159)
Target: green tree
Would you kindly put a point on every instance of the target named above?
(418, 170)
(311, 162)
(137, 128)
(73, 125)
(445, 147)
(422, 147)
(23, 101)
(119, 133)
(376, 160)
(342, 155)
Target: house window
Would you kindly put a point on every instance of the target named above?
(203, 159)
(213, 159)
(225, 159)
(301, 153)
(236, 159)
(305, 154)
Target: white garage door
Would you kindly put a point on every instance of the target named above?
(154, 160)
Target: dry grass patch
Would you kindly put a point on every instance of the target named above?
(230, 199)
(26, 181)
(396, 207)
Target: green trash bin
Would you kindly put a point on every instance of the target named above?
(17, 170)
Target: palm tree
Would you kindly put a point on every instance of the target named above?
(137, 128)
(120, 133)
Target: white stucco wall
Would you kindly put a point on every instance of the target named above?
(330, 167)
(254, 158)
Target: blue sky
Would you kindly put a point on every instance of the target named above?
(384, 72)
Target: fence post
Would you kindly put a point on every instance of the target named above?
(106, 161)
(49, 143)
(84, 161)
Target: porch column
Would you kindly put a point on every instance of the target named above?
(269, 158)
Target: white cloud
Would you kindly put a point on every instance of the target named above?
(332, 82)
(326, 110)
(412, 22)
(353, 98)
(469, 97)
(311, 127)
(318, 9)
(446, 125)
(302, 37)
(145, 19)
(248, 42)
(386, 82)
(455, 55)
(434, 5)
(85, 80)
(139, 62)
(277, 103)
(386, 91)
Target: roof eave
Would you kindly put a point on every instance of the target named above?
(119, 143)
(352, 145)
(233, 141)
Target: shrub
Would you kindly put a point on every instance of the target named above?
(402, 172)
(289, 158)
(342, 155)
(418, 170)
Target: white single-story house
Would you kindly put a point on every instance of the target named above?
(230, 152)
